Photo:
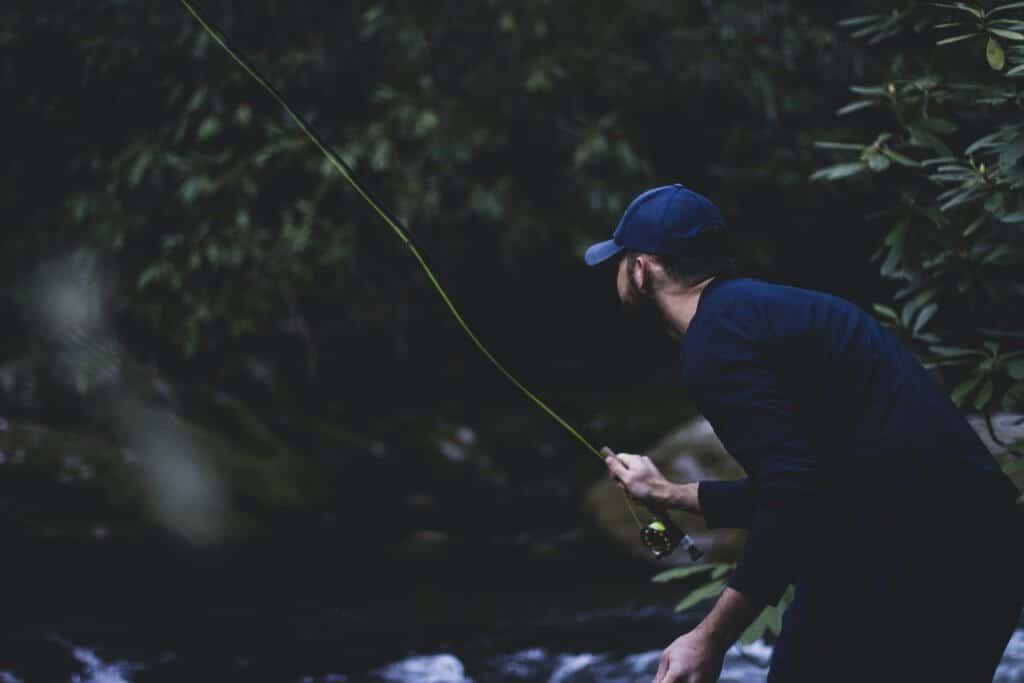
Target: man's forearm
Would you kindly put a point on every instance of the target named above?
(683, 497)
(732, 614)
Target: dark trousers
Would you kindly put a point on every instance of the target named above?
(924, 601)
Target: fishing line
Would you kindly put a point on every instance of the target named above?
(647, 532)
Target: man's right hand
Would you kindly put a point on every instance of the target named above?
(640, 478)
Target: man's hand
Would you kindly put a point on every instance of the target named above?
(691, 658)
(638, 477)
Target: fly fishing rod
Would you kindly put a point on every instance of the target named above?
(661, 535)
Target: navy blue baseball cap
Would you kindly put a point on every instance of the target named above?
(659, 221)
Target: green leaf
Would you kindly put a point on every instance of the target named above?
(1014, 466)
(868, 89)
(957, 39)
(924, 316)
(839, 171)
(775, 619)
(1009, 35)
(966, 387)
(987, 141)
(722, 569)
(703, 593)
(1011, 154)
(757, 627)
(677, 573)
(995, 204)
(995, 54)
(854, 106)
(885, 312)
(840, 145)
(984, 395)
(1002, 255)
(900, 159)
(1003, 8)
(858, 21)
(963, 7)
(208, 128)
(1016, 369)
(1016, 71)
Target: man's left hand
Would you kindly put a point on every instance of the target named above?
(691, 658)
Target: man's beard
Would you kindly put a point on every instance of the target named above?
(644, 312)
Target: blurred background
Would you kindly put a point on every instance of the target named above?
(242, 438)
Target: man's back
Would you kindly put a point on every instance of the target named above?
(865, 483)
(883, 426)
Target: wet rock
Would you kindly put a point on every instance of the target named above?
(1006, 428)
(690, 453)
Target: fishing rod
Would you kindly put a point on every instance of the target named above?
(661, 535)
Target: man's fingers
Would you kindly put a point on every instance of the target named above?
(662, 667)
(616, 467)
(611, 457)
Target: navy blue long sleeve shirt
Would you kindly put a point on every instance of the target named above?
(833, 420)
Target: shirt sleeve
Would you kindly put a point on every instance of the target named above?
(743, 394)
(726, 504)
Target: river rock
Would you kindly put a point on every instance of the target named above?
(1007, 428)
(690, 453)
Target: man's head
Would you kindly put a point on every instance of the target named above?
(709, 254)
(648, 283)
(669, 241)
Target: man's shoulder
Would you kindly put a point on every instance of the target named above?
(745, 316)
(728, 322)
(777, 305)
(756, 287)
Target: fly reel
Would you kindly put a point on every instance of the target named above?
(662, 538)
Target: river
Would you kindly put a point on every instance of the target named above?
(390, 632)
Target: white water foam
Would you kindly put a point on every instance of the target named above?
(568, 665)
(1011, 668)
(442, 668)
(96, 671)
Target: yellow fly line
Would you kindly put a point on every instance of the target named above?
(395, 226)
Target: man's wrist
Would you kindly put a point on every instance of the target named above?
(683, 497)
(732, 613)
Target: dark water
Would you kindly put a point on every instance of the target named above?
(423, 631)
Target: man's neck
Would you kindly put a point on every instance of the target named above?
(679, 304)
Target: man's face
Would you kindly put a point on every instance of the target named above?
(623, 283)
(636, 303)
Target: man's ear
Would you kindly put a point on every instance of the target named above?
(639, 273)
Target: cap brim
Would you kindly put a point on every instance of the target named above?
(602, 251)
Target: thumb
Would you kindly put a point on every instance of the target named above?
(607, 452)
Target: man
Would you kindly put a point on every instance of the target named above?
(866, 487)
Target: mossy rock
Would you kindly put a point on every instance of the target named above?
(156, 468)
